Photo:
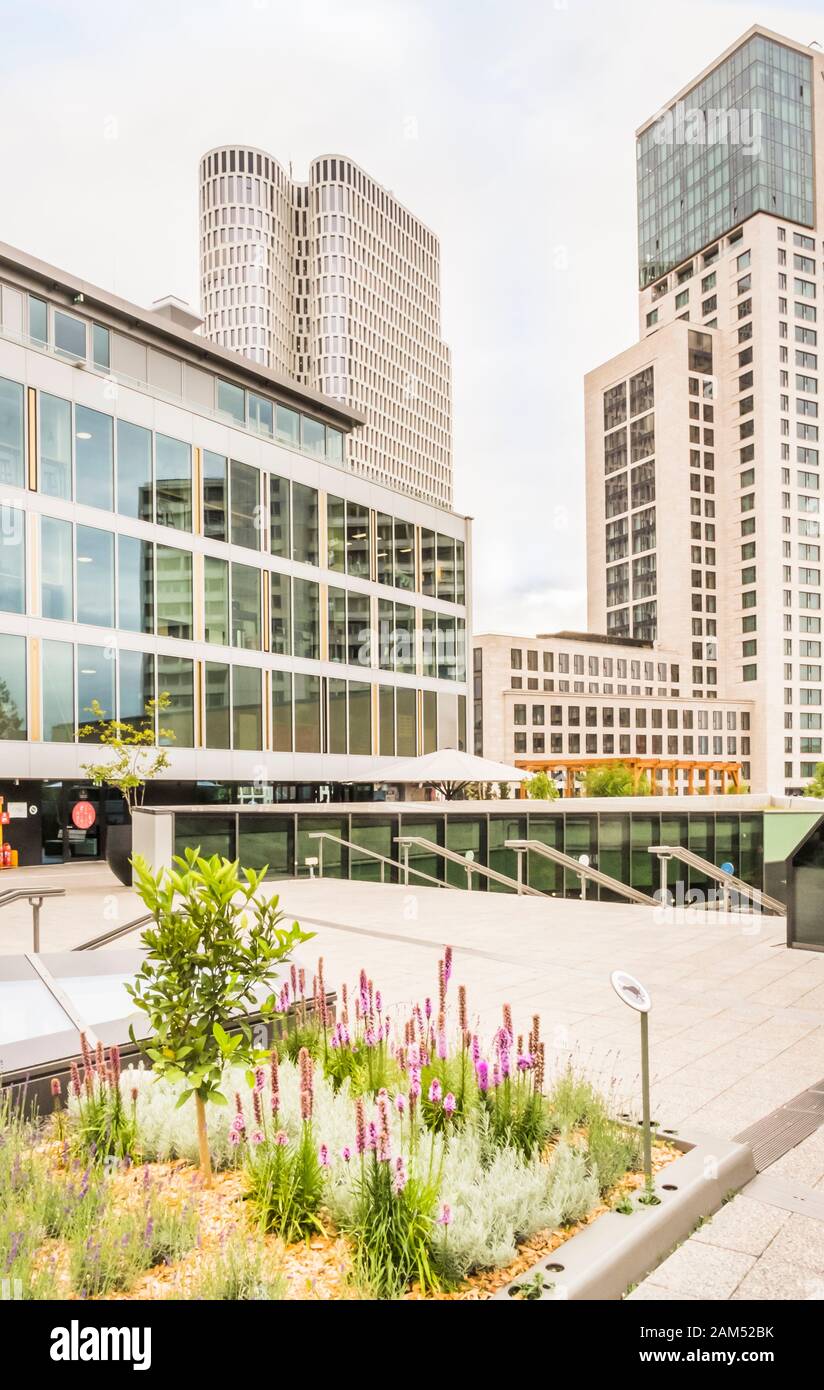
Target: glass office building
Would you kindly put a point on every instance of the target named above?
(180, 527)
(739, 142)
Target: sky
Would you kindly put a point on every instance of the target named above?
(506, 125)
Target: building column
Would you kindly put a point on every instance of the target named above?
(691, 780)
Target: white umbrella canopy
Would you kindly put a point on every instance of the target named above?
(447, 767)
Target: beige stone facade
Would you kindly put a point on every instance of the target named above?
(334, 282)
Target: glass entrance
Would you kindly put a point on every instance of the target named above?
(71, 814)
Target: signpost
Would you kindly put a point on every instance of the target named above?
(584, 860)
(726, 868)
(633, 993)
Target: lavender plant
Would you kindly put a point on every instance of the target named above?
(284, 1177)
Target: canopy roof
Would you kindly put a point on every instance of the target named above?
(447, 765)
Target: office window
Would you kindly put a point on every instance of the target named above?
(215, 496)
(231, 400)
(307, 713)
(336, 533)
(69, 336)
(406, 706)
(246, 625)
(94, 464)
(55, 478)
(357, 540)
(57, 569)
(304, 524)
(280, 613)
(101, 347)
(57, 683)
(359, 644)
(175, 678)
(287, 426)
(386, 721)
(174, 592)
(218, 705)
(136, 687)
(282, 711)
(13, 715)
(385, 569)
(261, 414)
(135, 588)
(12, 560)
(173, 483)
(334, 445)
(95, 576)
(312, 437)
(247, 709)
(446, 568)
(428, 562)
(447, 651)
(38, 320)
(360, 717)
(336, 604)
(134, 470)
(280, 528)
(11, 434)
(306, 619)
(336, 726)
(95, 682)
(216, 600)
(404, 555)
(404, 638)
(245, 504)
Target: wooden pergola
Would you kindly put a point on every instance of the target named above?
(657, 770)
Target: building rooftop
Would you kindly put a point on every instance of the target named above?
(163, 327)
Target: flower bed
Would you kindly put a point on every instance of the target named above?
(372, 1156)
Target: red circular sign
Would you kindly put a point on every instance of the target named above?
(83, 815)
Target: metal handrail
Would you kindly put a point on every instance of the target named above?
(115, 933)
(35, 897)
(373, 854)
(469, 865)
(584, 871)
(728, 881)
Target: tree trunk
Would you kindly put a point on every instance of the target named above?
(203, 1142)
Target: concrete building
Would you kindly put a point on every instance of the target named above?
(334, 282)
(566, 699)
(703, 492)
(177, 518)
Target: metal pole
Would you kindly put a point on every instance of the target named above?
(469, 878)
(520, 870)
(320, 856)
(406, 864)
(662, 860)
(645, 1099)
(35, 923)
(583, 883)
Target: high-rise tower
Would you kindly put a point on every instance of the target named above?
(334, 283)
(703, 478)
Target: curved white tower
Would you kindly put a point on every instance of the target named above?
(335, 283)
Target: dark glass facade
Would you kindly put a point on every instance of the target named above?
(739, 142)
(616, 841)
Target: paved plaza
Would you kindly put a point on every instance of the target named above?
(737, 1025)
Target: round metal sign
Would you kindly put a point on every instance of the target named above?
(631, 991)
(727, 867)
(83, 815)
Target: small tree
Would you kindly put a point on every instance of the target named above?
(614, 779)
(541, 786)
(136, 756)
(206, 959)
(816, 786)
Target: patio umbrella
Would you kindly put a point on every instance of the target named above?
(447, 769)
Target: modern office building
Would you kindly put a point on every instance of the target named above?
(567, 700)
(703, 452)
(177, 518)
(335, 283)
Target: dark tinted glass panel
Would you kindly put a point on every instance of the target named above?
(217, 705)
(282, 711)
(215, 496)
(135, 572)
(173, 483)
(247, 722)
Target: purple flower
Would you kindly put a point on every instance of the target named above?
(482, 1070)
(447, 964)
(435, 1091)
(281, 1137)
(260, 1080)
(450, 1104)
(441, 1047)
(399, 1178)
(256, 1137)
(323, 1155)
(371, 1136)
(526, 1062)
(427, 1008)
(400, 1103)
(346, 1153)
(445, 1218)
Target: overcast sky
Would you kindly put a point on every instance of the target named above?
(506, 125)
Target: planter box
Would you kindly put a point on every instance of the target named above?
(616, 1251)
